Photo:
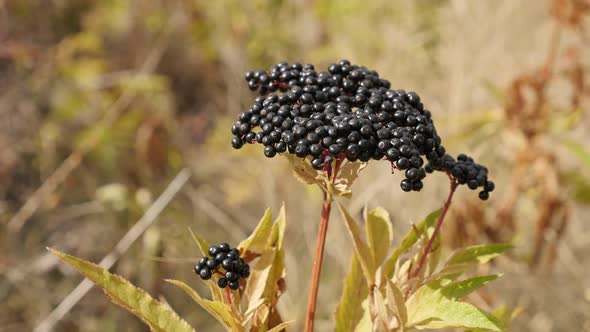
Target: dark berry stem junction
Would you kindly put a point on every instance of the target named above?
(317, 262)
(439, 223)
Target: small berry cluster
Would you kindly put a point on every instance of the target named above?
(347, 112)
(465, 171)
(225, 261)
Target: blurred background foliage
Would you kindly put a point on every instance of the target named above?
(102, 102)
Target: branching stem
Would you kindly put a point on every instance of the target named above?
(439, 223)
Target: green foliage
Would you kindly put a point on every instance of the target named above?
(361, 249)
(159, 317)
(408, 241)
(379, 234)
(429, 307)
(263, 289)
(350, 310)
(397, 302)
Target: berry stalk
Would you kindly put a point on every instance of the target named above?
(317, 263)
(439, 223)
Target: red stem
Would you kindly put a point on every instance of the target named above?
(439, 223)
(319, 250)
(228, 295)
(317, 263)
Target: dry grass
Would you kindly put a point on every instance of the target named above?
(450, 52)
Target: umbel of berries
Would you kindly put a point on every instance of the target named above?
(345, 112)
(224, 261)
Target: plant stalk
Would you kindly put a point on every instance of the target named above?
(317, 263)
(439, 223)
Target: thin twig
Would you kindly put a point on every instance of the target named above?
(149, 217)
(439, 223)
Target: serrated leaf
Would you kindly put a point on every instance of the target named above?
(220, 311)
(258, 240)
(201, 242)
(504, 315)
(303, 171)
(349, 311)
(459, 289)
(397, 302)
(478, 254)
(429, 308)
(360, 247)
(408, 241)
(159, 317)
(281, 326)
(379, 234)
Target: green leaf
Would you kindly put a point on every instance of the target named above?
(201, 242)
(408, 241)
(397, 302)
(459, 289)
(379, 234)
(429, 308)
(579, 150)
(159, 317)
(281, 326)
(478, 254)
(221, 311)
(258, 240)
(360, 247)
(349, 311)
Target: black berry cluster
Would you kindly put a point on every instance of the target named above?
(465, 171)
(226, 262)
(347, 112)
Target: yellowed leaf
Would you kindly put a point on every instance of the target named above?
(221, 311)
(360, 247)
(258, 240)
(379, 234)
(159, 317)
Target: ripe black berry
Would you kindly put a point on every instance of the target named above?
(347, 112)
(205, 274)
(222, 282)
(236, 143)
(406, 185)
(226, 261)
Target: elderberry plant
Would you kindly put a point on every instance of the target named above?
(329, 124)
